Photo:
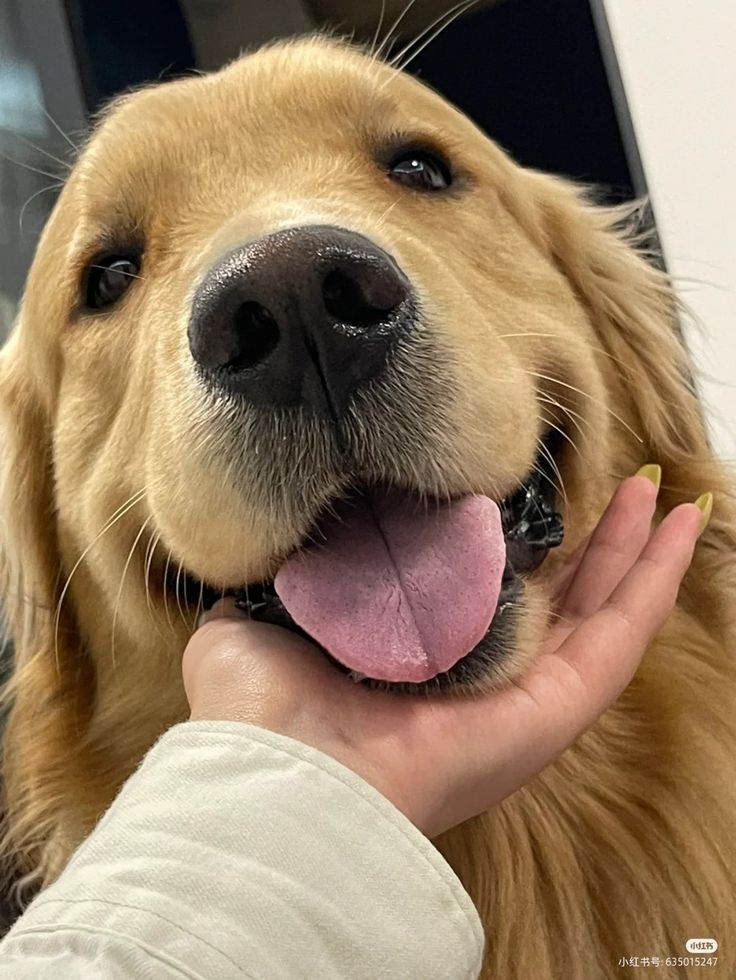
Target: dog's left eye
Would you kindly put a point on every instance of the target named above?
(421, 170)
(107, 278)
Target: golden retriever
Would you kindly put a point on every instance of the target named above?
(306, 278)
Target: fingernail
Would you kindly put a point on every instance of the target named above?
(704, 503)
(652, 472)
(225, 608)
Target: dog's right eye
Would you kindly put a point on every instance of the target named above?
(107, 278)
(420, 169)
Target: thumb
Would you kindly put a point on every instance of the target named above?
(239, 670)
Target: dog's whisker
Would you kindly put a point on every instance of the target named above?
(521, 485)
(167, 611)
(440, 22)
(116, 516)
(387, 212)
(555, 486)
(572, 422)
(63, 163)
(377, 34)
(33, 170)
(526, 333)
(200, 607)
(98, 316)
(572, 416)
(43, 190)
(153, 541)
(617, 360)
(122, 272)
(560, 488)
(562, 432)
(57, 127)
(177, 593)
(553, 463)
(390, 34)
(438, 26)
(553, 336)
(147, 561)
(119, 595)
(586, 394)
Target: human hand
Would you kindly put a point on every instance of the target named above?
(442, 760)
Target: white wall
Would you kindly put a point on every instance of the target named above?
(677, 60)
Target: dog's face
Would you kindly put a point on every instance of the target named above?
(300, 320)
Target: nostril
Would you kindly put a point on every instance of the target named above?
(258, 334)
(355, 303)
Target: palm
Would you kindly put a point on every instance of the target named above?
(611, 598)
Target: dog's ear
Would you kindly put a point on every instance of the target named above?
(42, 695)
(28, 554)
(631, 305)
(637, 319)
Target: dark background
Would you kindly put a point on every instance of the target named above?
(535, 74)
(530, 72)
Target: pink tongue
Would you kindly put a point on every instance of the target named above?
(397, 591)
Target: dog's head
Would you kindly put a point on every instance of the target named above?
(300, 327)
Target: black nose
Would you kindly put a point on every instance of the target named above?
(302, 317)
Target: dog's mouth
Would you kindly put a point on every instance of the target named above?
(402, 591)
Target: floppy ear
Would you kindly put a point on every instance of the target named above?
(42, 695)
(631, 305)
(28, 554)
(634, 311)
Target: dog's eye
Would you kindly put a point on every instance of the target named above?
(421, 170)
(107, 278)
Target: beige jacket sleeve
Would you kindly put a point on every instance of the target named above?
(237, 853)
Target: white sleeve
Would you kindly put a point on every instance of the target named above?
(234, 852)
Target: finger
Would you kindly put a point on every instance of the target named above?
(563, 576)
(602, 654)
(224, 608)
(236, 666)
(562, 580)
(612, 549)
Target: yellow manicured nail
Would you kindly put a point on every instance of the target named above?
(704, 503)
(653, 473)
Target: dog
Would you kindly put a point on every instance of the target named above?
(307, 284)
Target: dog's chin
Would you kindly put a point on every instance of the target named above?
(531, 526)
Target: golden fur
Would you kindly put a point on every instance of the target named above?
(111, 471)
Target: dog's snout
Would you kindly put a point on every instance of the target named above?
(302, 317)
